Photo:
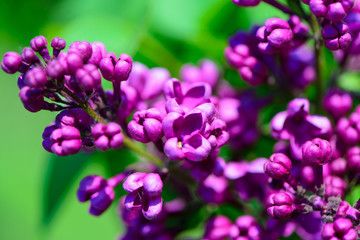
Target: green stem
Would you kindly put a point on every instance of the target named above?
(127, 141)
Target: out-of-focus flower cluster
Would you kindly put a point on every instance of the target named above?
(200, 139)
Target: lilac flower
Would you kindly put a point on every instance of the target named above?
(88, 77)
(32, 99)
(196, 96)
(116, 70)
(346, 211)
(28, 56)
(280, 205)
(278, 166)
(216, 133)
(334, 186)
(98, 53)
(39, 44)
(214, 189)
(336, 36)
(341, 228)
(348, 131)
(353, 159)
(184, 139)
(207, 72)
(337, 103)
(246, 227)
(299, 29)
(11, 62)
(316, 152)
(217, 228)
(146, 125)
(145, 193)
(298, 126)
(35, 78)
(62, 141)
(76, 117)
(246, 3)
(99, 191)
(83, 49)
(274, 36)
(338, 167)
(57, 44)
(107, 136)
(335, 11)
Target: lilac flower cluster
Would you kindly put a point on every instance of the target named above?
(202, 143)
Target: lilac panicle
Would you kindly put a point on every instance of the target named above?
(316, 152)
(107, 136)
(146, 125)
(144, 193)
(274, 36)
(278, 166)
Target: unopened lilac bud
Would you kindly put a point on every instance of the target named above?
(217, 228)
(55, 70)
(146, 125)
(36, 78)
(279, 205)
(336, 36)
(346, 211)
(123, 67)
(236, 55)
(100, 201)
(274, 36)
(278, 166)
(39, 44)
(107, 136)
(107, 68)
(90, 185)
(57, 44)
(32, 99)
(316, 152)
(341, 228)
(97, 53)
(245, 227)
(334, 186)
(353, 159)
(214, 189)
(337, 103)
(253, 71)
(83, 48)
(89, 77)
(28, 56)
(246, 3)
(74, 62)
(11, 62)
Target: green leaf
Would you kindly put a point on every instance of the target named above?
(354, 195)
(60, 175)
(350, 82)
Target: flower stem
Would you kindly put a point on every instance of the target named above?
(127, 141)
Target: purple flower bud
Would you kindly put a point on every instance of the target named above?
(107, 68)
(341, 227)
(146, 125)
(245, 227)
(66, 141)
(237, 55)
(98, 53)
(90, 185)
(347, 132)
(334, 186)
(316, 152)
(279, 205)
(336, 36)
(107, 136)
(278, 166)
(76, 118)
(337, 103)
(28, 56)
(153, 184)
(36, 78)
(123, 67)
(74, 62)
(299, 29)
(353, 159)
(39, 44)
(100, 201)
(253, 71)
(218, 136)
(88, 77)
(274, 36)
(217, 228)
(57, 44)
(83, 48)
(246, 3)
(11, 62)
(335, 11)
(55, 70)
(32, 99)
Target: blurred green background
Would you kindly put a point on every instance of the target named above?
(164, 33)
